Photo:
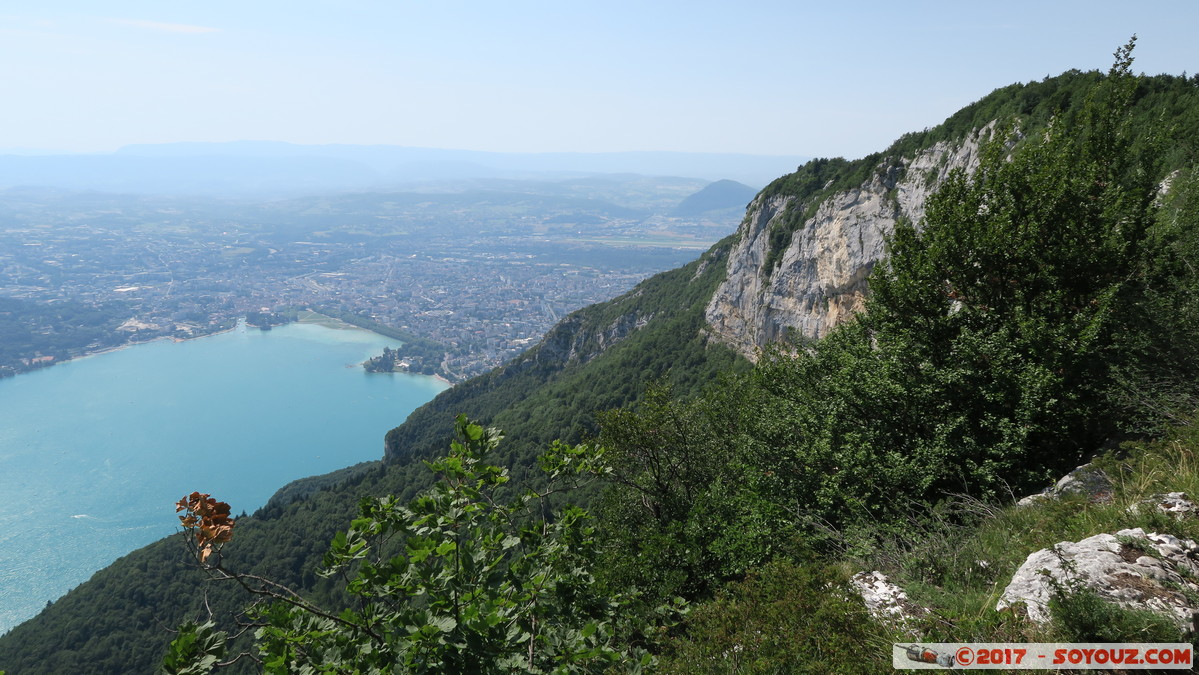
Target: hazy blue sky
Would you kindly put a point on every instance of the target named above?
(768, 77)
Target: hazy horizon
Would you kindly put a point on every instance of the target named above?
(129, 147)
(275, 168)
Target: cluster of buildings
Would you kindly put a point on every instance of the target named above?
(485, 298)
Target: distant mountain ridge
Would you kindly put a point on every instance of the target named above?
(402, 161)
(718, 196)
(247, 167)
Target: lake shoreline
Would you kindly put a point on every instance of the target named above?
(237, 416)
(324, 320)
(127, 345)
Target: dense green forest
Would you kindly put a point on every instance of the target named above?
(1041, 314)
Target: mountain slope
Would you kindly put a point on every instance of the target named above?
(746, 291)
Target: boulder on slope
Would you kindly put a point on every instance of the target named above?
(1130, 568)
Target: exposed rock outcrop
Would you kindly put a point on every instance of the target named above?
(1088, 480)
(1176, 504)
(1131, 568)
(886, 601)
(821, 277)
(572, 341)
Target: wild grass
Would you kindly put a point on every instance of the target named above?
(957, 558)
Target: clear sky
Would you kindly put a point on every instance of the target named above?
(797, 78)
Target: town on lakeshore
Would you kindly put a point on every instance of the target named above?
(466, 280)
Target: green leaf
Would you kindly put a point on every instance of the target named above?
(195, 650)
(474, 432)
(339, 542)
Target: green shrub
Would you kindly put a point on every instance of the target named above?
(784, 618)
(1081, 615)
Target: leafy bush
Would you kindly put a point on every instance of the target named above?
(784, 618)
(456, 580)
(693, 503)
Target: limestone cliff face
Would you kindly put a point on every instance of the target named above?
(575, 340)
(821, 277)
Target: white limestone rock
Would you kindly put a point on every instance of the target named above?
(821, 277)
(1087, 479)
(1131, 568)
(1034, 499)
(886, 601)
(1177, 504)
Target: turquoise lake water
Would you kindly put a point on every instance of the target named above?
(95, 452)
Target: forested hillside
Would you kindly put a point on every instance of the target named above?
(1041, 313)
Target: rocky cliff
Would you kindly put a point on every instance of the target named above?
(819, 279)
